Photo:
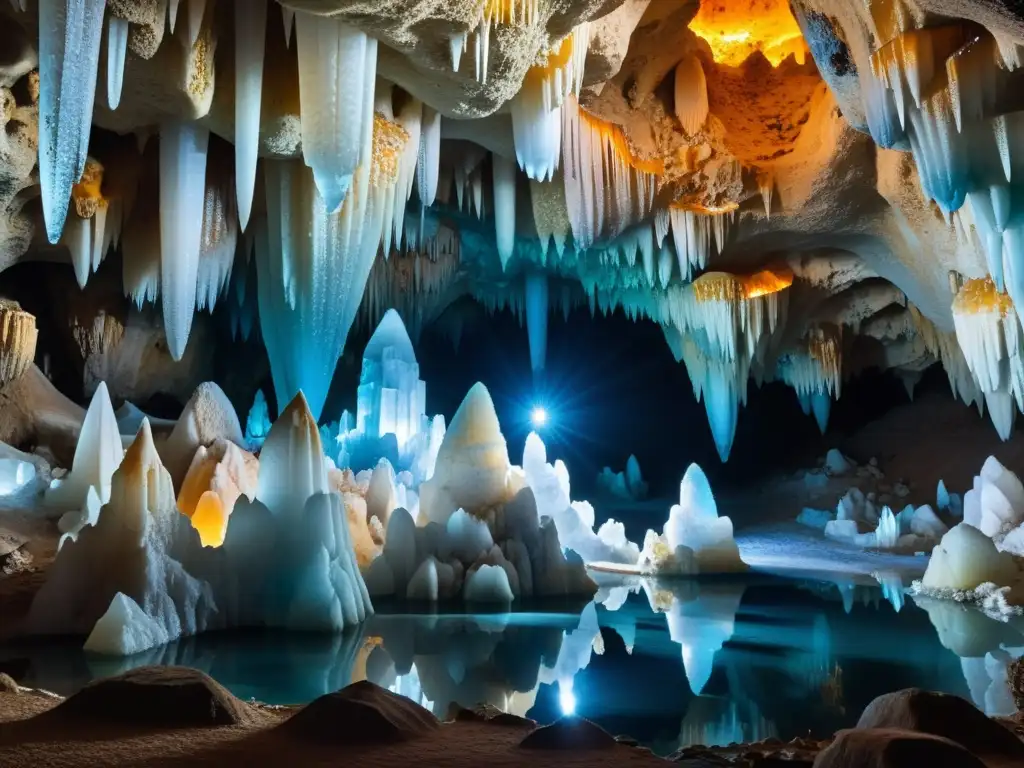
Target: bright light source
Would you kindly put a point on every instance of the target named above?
(567, 700)
(538, 417)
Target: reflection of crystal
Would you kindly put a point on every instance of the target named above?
(701, 618)
(408, 685)
(717, 722)
(986, 648)
(892, 587)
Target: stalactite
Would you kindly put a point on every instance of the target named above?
(550, 215)
(140, 251)
(504, 177)
(606, 186)
(196, 12)
(536, 299)
(219, 238)
(183, 149)
(332, 255)
(69, 50)
(691, 94)
(990, 335)
(536, 108)
(337, 65)
(457, 42)
(172, 13)
(429, 156)
(117, 47)
(288, 17)
(250, 33)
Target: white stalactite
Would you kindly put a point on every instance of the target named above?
(117, 47)
(250, 33)
(429, 159)
(69, 51)
(288, 18)
(183, 149)
(504, 176)
(336, 65)
(172, 13)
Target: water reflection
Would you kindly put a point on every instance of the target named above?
(671, 664)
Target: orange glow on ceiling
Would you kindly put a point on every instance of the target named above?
(614, 135)
(735, 29)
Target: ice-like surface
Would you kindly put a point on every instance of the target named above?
(183, 149)
(257, 424)
(628, 484)
(573, 520)
(15, 474)
(337, 64)
(207, 416)
(287, 560)
(965, 559)
(97, 455)
(488, 584)
(695, 539)
(391, 421)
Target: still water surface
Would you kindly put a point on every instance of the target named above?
(671, 665)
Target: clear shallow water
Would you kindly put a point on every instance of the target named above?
(671, 665)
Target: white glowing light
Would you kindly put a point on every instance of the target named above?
(538, 417)
(567, 700)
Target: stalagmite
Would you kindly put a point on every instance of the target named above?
(250, 31)
(429, 156)
(117, 47)
(691, 94)
(536, 290)
(182, 193)
(97, 455)
(69, 50)
(18, 337)
(504, 177)
(337, 65)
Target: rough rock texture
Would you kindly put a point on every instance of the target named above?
(487, 713)
(894, 748)
(166, 697)
(7, 685)
(570, 734)
(361, 713)
(34, 413)
(943, 715)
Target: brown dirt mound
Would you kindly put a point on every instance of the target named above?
(894, 748)
(165, 697)
(488, 713)
(569, 733)
(7, 684)
(943, 715)
(361, 713)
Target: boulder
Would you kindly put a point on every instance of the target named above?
(893, 748)
(943, 715)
